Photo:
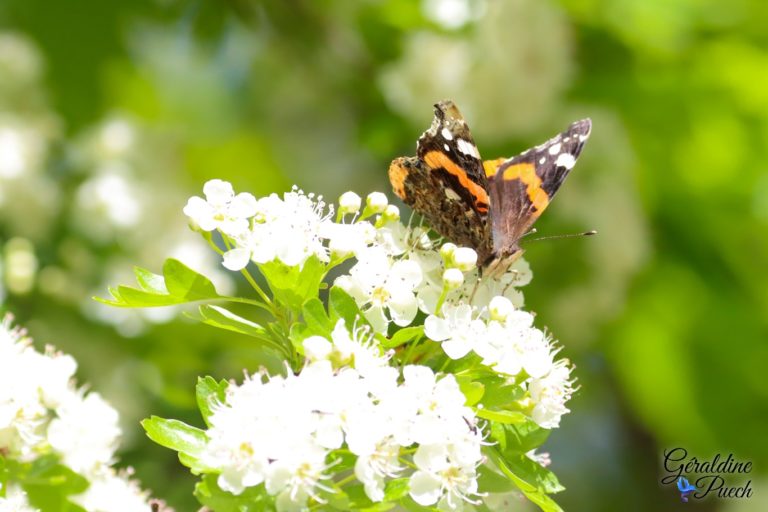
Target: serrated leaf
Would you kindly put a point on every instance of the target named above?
(502, 416)
(396, 489)
(472, 390)
(179, 285)
(532, 491)
(149, 281)
(403, 336)
(253, 499)
(489, 480)
(316, 318)
(175, 434)
(209, 392)
(184, 283)
(518, 439)
(292, 286)
(342, 306)
(49, 484)
(222, 318)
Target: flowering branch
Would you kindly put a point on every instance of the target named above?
(417, 383)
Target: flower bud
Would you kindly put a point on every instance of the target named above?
(446, 251)
(349, 202)
(465, 258)
(377, 202)
(453, 278)
(392, 213)
(500, 308)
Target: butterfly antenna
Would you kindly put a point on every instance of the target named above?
(570, 235)
(533, 231)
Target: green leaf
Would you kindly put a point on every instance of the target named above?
(403, 336)
(472, 390)
(49, 484)
(292, 286)
(316, 318)
(253, 499)
(178, 285)
(518, 439)
(528, 483)
(489, 480)
(502, 416)
(175, 434)
(222, 318)
(184, 283)
(396, 489)
(342, 306)
(209, 392)
(149, 281)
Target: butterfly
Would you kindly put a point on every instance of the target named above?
(487, 205)
(685, 488)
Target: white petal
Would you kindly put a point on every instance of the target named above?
(218, 192)
(317, 347)
(436, 328)
(236, 259)
(201, 212)
(377, 319)
(456, 348)
(403, 309)
(243, 205)
(408, 272)
(425, 489)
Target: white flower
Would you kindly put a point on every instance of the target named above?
(453, 278)
(359, 351)
(15, 500)
(550, 393)
(113, 492)
(500, 308)
(348, 239)
(445, 476)
(377, 202)
(288, 230)
(371, 469)
(465, 258)
(455, 328)
(349, 202)
(484, 290)
(295, 477)
(221, 208)
(85, 432)
(381, 285)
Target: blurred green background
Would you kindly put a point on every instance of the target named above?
(113, 113)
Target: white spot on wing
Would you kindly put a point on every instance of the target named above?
(446, 133)
(555, 148)
(468, 148)
(447, 147)
(451, 194)
(542, 160)
(582, 138)
(565, 160)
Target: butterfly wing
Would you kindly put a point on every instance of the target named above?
(446, 182)
(521, 188)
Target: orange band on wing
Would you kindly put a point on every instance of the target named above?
(526, 172)
(438, 160)
(397, 175)
(492, 166)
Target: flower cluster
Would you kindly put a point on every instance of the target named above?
(43, 414)
(406, 376)
(281, 430)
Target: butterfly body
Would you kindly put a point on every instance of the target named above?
(487, 205)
